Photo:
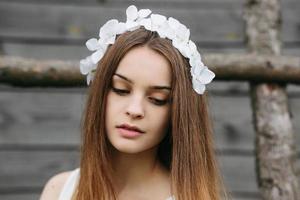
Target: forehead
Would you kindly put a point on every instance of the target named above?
(144, 65)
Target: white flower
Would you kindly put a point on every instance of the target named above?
(121, 28)
(181, 38)
(198, 87)
(93, 44)
(169, 28)
(109, 31)
(90, 77)
(107, 34)
(143, 13)
(195, 58)
(157, 20)
(206, 76)
(192, 51)
(96, 56)
(173, 24)
(179, 35)
(86, 65)
(146, 23)
(99, 45)
(181, 46)
(196, 70)
(132, 25)
(159, 24)
(132, 13)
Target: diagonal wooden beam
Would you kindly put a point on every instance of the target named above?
(275, 138)
(240, 67)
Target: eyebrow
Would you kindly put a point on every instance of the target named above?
(156, 87)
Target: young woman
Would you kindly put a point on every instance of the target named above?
(146, 129)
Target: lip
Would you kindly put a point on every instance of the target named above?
(129, 133)
(130, 128)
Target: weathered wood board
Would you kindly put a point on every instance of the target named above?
(40, 128)
(40, 136)
(52, 116)
(51, 22)
(28, 171)
(69, 22)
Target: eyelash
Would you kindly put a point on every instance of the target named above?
(124, 92)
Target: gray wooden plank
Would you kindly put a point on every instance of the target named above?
(40, 118)
(140, 2)
(77, 52)
(47, 117)
(54, 22)
(233, 123)
(30, 170)
(127, 2)
(72, 22)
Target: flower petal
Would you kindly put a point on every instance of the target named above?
(158, 19)
(183, 33)
(198, 87)
(92, 44)
(103, 43)
(131, 13)
(86, 65)
(206, 76)
(131, 25)
(173, 23)
(83, 68)
(111, 40)
(96, 56)
(192, 46)
(108, 29)
(180, 46)
(146, 23)
(90, 77)
(162, 32)
(143, 13)
(121, 28)
(197, 69)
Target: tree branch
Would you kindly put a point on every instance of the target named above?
(240, 67)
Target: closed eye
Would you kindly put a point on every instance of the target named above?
(158, 102)
(119, 91)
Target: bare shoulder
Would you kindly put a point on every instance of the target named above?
(54, 186)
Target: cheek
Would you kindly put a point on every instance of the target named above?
(112, 103)
(160, 121)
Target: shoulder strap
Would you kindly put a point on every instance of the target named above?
(69, 186)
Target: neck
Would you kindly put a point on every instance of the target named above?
(135, 170)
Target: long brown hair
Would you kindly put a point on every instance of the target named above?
(187, 149)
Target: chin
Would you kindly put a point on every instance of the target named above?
(126, 146)
(127, 149)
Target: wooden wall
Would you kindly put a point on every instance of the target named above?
(39, 127)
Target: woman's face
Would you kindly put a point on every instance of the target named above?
(139, 97)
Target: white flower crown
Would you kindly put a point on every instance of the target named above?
(166, 28)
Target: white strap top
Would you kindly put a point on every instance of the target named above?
(69, 186)
(71, 183)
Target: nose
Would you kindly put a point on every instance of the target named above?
(135, 108)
